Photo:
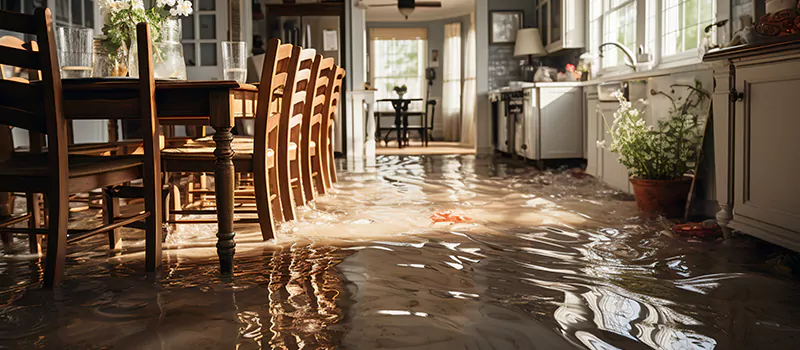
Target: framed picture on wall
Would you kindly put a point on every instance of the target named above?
(504, 26)
(434, 59)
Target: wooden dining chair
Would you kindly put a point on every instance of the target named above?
(316, 95)
(293, 108)
(40, 107)
(329, 112)
(256, 155)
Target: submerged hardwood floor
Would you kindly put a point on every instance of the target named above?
(416, 148)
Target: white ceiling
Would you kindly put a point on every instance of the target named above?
(449, 9)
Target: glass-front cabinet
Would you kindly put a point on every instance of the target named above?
(561, 23)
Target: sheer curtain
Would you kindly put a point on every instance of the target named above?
(451, 94)
(470, 88)
(398, 58)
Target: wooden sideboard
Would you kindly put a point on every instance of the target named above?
(757, 140)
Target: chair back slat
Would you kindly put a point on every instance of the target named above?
(317, 92)
(274, 76)
(19, 58)
(17, 93)
(17, 43)
(18, 22)
(301, 81)
(34, 107)
(21, 119)
(331, 108)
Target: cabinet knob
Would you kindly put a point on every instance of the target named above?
(736, 96)
(524, 147)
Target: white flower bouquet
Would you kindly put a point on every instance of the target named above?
(667, 150)
(123, 15)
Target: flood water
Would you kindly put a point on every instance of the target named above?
(549, 261)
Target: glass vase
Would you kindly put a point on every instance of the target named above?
(168, 60)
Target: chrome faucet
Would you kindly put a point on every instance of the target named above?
(630, 62)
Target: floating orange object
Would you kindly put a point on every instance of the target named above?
(449, 216)
(698, 230)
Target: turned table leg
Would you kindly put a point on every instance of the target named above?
(224, 179)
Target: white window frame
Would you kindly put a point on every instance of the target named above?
(658, 60)
(422, 61)
(200, 71)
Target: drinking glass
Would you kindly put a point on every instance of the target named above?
(234, 61)
(75, 51)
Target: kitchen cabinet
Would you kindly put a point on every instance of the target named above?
(561, 24)
(612, 172)
(756, 145)
(600, 162)
(552, 125)
(591, 127)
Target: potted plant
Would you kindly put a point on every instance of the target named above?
(658, 157)
(119, 41)
(401, 90)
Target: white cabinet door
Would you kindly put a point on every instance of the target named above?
(766, 146)
(203, 32)
(592, 136)
(613, 173)
(561, 123)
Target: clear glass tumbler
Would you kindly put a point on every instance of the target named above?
(75, 51)
(234, 61)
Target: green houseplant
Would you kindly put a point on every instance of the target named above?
(658, 157)
(401, 90)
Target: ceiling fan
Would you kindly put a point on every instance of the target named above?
(406, 7)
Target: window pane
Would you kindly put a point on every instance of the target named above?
(62, 10)
(189, 55)
(683, 21)
(88, 14)
(208, 54)
(77, 12)
(208, 27)
(620, 26)
(187, 26)
(397, 63)
(206, 5)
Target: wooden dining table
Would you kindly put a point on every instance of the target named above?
(191, 103)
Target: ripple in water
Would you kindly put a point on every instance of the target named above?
(549, 261)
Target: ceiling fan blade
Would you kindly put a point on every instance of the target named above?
(428, 3)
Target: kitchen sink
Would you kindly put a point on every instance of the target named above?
(633, 90)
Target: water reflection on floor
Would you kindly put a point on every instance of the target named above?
(550, 261)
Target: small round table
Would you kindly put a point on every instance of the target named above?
(400, 106)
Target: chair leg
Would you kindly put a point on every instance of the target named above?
(316, 167)
(266, 216)
(285, 181)
(110, 212)
(332, 165)
(306, 171)
(274, 186)
(58, 216)
(297, 189)
(6, 209)
(152, 183)
(33, 202)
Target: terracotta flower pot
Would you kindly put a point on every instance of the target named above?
(665, 197)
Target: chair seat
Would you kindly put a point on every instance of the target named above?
(30, 172)
(22, 164)
(201, 152)
(245, 144)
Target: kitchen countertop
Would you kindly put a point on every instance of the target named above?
(743, 51)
